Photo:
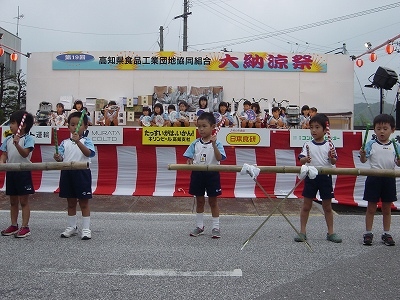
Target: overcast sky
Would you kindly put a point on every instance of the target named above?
(238, 25)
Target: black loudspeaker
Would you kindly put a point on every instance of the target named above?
(384, 78)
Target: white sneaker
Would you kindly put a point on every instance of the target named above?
(86, 234)
(69, 231)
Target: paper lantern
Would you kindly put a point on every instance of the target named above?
(389, 49)
(359, 63)
(1, 51)
(373, 57)
(14, 57)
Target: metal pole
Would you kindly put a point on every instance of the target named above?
(185, 16)
(161, 38)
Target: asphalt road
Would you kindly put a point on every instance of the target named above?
(152, 256)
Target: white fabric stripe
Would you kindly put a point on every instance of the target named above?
(50, 179)
(358, 193)
(285, 182)
(244, 187)
(127, 170)
(94, 168)
(165, 179)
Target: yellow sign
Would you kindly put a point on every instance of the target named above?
(243, 139)
(168, 135)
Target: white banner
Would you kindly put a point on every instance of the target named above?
(254, 137)
(299, 136)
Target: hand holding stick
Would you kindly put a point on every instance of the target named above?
(80, 121)
(365, 137)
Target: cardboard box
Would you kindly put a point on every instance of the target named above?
(130, 102)
(130, 116)
(67, 101)
(138, 108)
(121, 118)
(100, 104)
(146, 100)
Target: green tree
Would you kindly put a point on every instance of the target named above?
(12, 92)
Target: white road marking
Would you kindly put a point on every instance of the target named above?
(155, 272)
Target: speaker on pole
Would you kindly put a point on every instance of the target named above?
(384, 78)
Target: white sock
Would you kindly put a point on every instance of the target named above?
(85, 222)
(72, 221)
(215, 222)
(200, 220)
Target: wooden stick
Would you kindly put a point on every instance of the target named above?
(21, 124)
(290, 169)
(55, 139)
(44, 166)
(365, 137)
(395, 149)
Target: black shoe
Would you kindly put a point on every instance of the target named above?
(387, 239)
(368, 239)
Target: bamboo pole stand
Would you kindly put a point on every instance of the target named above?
(44, 166)
(289, 169)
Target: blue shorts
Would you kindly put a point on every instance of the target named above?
(202, 181)
(76, 184)
(19, 183)
(322, 183)
(383, 188)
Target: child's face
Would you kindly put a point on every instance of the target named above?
(157, 109)
(170, 109)
(383, 132)
(246, 106)
(59, 109)
(222, 109)
(306, 112)
(182, 107)
(317, 131)
(14, 127)
(203, 103)
(145, 112)
(312, 113)
(78, 106)
(73, 124)
(275, 113)
(204, 128)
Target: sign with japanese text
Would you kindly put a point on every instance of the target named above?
(299, 136)
(251, 137)
(190, 61)
(42, 134)
(106, 134)
(168, 135)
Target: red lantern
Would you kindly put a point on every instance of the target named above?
(1, 51)
(359, 63)
(389, 49)
(373, 57)
(14, 57)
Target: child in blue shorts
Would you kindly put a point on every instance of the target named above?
(205, 150)
(76, 185)
(381, 154)
(318, 153)
(17, 148)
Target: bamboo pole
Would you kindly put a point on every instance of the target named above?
(44, 166)
(290, 169)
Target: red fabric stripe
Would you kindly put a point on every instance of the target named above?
(228, 179)
(147, 168)
(37, 175)
(107, 166)
(182, 177)
(344, 188)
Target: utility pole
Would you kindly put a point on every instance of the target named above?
(161, 43)
(20, 16)
(185, 15)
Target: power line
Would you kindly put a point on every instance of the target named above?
(242, 40)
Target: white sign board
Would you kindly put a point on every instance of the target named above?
(299, 136)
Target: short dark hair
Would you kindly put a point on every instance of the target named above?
(320, 119)
(247, 102)
(147, 108)
(275, 108)
(385, 118)
(203, 98)
(159, 105)
(77, 102)
(314, 109)
(17, 117)
(208, 116)
(77, 114)
(172, 106)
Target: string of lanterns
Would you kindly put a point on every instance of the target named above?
(373, 56)
(389, 48)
